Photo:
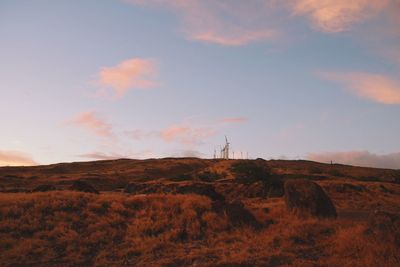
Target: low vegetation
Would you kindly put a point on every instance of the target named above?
(192, 212)
(83, 229)
(248, 172)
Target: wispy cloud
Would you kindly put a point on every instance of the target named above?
(376, 87)
(338, 15)
(15, 158)
(236, 23)
(103, 156)
(234, 120)
(192, 134)
(134, 73)
(240, 38)
(359, 158)
(186, 134)
(230, 23)
(89, 120)
(96, 155)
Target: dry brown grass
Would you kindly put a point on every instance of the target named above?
(65, 228)
(69, 228)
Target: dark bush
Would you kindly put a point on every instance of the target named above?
(44, 188)
(248, 172)
(315, 170)
(208, 176)
(181, 177)
(336, 173)
(396, 176)
(370, 179)
(83, 186)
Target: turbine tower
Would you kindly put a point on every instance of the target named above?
(226, 148)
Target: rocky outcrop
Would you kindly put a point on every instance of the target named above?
(306, 198)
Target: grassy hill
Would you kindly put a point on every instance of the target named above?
(172, 215)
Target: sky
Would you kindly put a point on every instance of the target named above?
(292, 79)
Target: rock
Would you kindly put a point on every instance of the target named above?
(237, 213)
(83, 187)
(44, 188)
(200, 189)
(308, 198)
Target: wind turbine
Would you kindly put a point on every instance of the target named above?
(226, 148)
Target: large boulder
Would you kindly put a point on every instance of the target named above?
(305, 197)
(83, 186)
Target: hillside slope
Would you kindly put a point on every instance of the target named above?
(194, 212)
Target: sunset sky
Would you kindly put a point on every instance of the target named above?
(88, 79)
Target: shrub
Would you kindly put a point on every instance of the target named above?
(370, 179)
(248, 172)
(182, 177)
(336, 173)
(315, 170)
(396, 176)
(208, 176)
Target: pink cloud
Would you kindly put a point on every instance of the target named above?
(359, 158)
(134, 73)
(186, 134)
(338, 15)
(15, 158)
(230, 23)
(90, 121)
(238, 39)
(376, 87)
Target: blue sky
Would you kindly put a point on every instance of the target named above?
(84, 80)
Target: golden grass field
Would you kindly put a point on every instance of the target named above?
(114, 228)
